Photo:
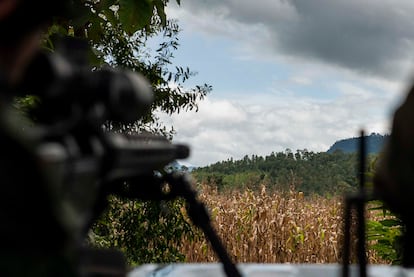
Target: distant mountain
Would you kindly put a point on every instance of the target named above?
(374, 144)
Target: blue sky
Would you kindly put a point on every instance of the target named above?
(290, 73)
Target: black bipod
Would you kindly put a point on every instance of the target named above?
(179, 185)
(356, 200)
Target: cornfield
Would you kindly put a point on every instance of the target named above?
(272, 227)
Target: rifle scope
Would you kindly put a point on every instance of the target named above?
(66, 84)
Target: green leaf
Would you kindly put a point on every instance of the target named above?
(83, 14)
(95, 31)
(135, 15)
(104, 4)
(390, 222)
(57, 29)
(110, 16)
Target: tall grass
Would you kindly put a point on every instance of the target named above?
(272, 227)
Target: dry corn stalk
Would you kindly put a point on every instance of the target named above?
(272, 227)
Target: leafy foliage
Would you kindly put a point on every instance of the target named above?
(118, 32)
(90, 17)
(306, 171)
(25, 104)
(385, 236)
(147, 232)
(168, 86)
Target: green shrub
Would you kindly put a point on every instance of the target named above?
(385, 236)
(146, 232)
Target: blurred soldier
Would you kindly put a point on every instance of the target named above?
(394, 180)
(32, 241)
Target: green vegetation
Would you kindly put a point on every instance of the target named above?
(306, 171)
(118, 32)
(147, 232)
(385, 236)
(312, 173)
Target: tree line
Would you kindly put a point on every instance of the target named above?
(321, 173)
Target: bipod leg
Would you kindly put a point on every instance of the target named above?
(355, 201)
(181, 186)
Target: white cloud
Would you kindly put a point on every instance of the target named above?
(369, 37)
(223, 128)
(358, 52)
(301, 80)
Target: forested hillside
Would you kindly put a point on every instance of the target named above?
(306, 171)
(374, 143)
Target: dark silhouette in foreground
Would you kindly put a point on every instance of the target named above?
(394, 180)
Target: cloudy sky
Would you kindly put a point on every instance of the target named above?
(291, 73)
